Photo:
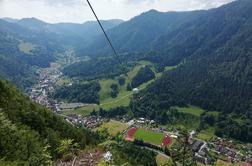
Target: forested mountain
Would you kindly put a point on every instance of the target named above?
(30, 134)
(213, 52)
(167, 38)
(68, 34)
(87, 31)
(20, 51)
(30, 43)
(94, 68)
(139, 33)
(217, 73)
(79, 93)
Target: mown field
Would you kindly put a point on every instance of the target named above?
(191, 119)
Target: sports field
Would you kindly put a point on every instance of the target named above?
(148, 136)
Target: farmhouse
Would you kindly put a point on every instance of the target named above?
(197, 145)
(131, 122)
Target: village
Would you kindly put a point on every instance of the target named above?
(204, 152)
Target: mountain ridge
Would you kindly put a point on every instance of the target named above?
(44, 41)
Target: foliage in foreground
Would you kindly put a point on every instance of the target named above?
(126, 152)
(30, 134)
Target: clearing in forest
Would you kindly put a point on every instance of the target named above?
(191, 110)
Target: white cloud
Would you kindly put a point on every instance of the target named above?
(78, 11)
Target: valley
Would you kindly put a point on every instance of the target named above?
(177, 93)
(150, 132)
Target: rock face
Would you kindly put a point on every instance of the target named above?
(83, 159)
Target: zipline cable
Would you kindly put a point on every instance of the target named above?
(103, 30)
(111, 45)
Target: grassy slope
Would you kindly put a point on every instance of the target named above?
(123, 98)
(193, 123)
(149, 136)
(196, 111)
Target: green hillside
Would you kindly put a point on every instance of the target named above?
(216, 77)
(30, 134)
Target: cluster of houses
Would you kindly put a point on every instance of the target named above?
(200, 149)
(138, 122)
(219, 147)
(89, 122)
(227, 148)
(39, 92)
(92, 122)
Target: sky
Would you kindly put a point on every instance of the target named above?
(77, 11)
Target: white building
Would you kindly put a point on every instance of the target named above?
(135, 90)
